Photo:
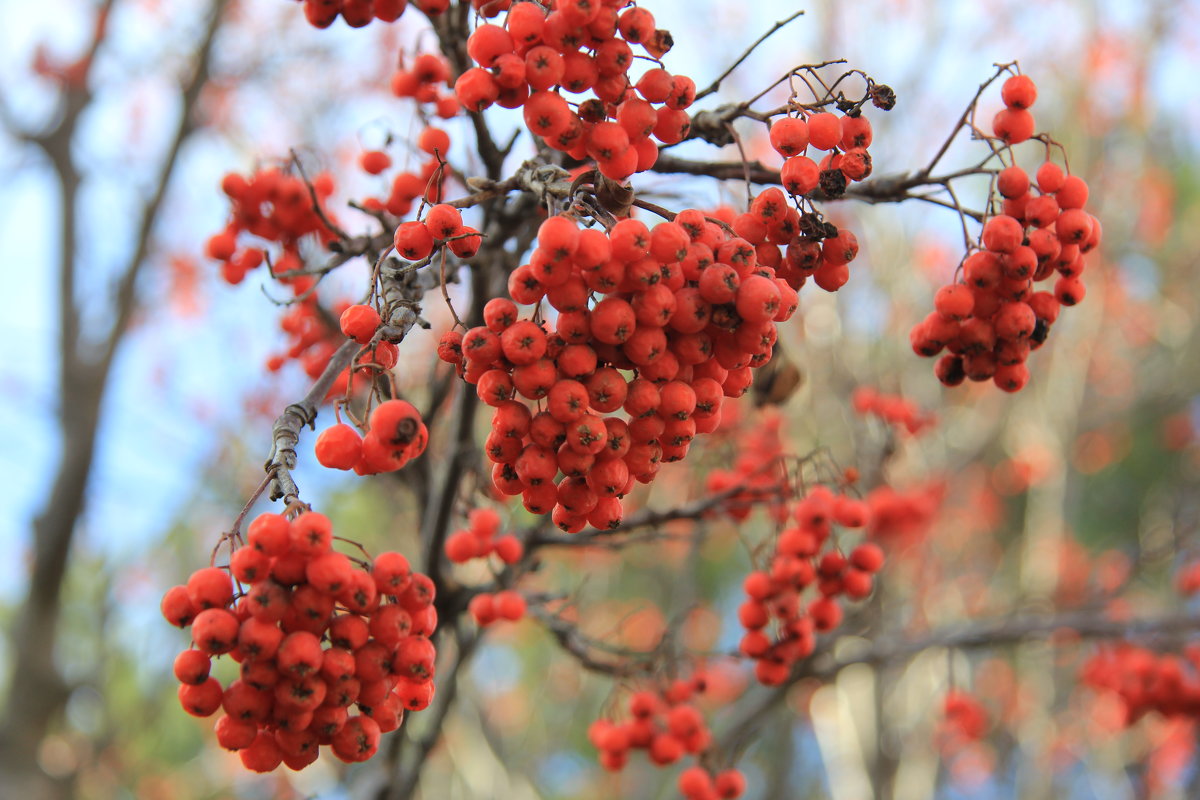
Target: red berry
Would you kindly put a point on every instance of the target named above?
(1019, 91)
(359, 322)
(339, 447)
(824, 131)
(509, 605)
(202, 699)
(374, 161)
(192, 666)
(1013, 125)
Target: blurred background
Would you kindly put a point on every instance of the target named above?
(135, 407)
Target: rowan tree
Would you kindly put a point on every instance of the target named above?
(611, 438)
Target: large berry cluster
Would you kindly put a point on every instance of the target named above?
(395, 435)
(991, 320)
(666, 723)
(685, 306)
(1147, 681)
(273, 206)
(805, 556)
(315, 634)
(581, 46)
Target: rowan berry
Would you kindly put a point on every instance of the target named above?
(1002, 234)
(1019, 91)
(235, 734)
(413, 241)
(358, 739)
(1073, 193)
(1050, 177)
(375, 161)
(476, 89)
(433, 140)
(359, 322)
(509, 605)
(547, 114)
(192, 667)
(215, 631)
(1069, 291)
(210, 587)
(1013, 125)
(673, 125)
(1012, 182)
(487, 43)
(339, 447)
(824, 130)
(730, 783)
(201, 699)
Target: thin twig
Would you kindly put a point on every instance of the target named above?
(316, 202)
(285, 434)
(716, 84)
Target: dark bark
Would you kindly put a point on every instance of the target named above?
(37, 692)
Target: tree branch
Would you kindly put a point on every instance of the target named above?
(37, 691)
(886, 650)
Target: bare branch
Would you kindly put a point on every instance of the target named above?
(622, 664)
(126, 286)
(970, 635)
(874, 191)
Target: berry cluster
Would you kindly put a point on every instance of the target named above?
(273, 206)
(697, 783)
(358, 13)
(314, 635)
(424, 81)
(991, 320)
(688, 309)
(1147, 681)
(895, 410)
(407, 187)
(846, 139)
(797, 246)
(479, 540)
(395, 435)
(665, 723)
(805, 556)
(755, 481)
(311, 341)
(487, 607)
(416, 240)
(581, 46)
(903, 516)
